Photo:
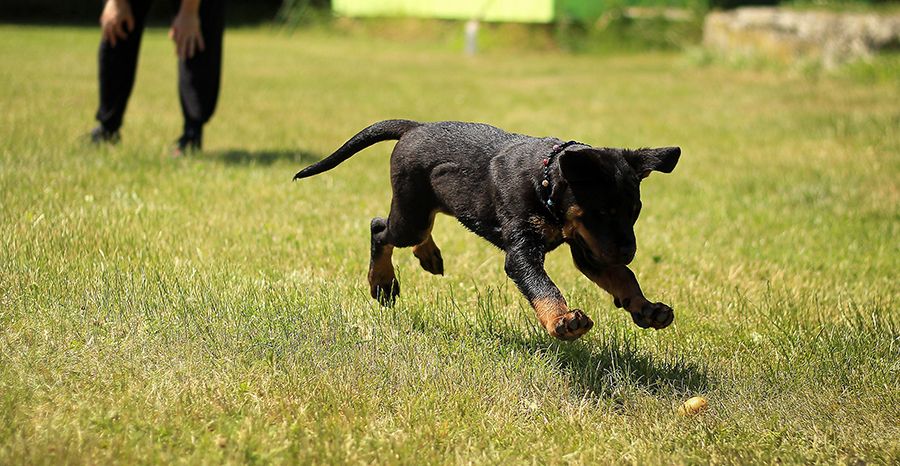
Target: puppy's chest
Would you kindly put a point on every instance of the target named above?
(553, 234)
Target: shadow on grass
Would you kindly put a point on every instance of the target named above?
(263, 157)
(602, 364)
(610, 361)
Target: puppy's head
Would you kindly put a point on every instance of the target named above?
(605, 189)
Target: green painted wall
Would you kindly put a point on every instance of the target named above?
(584, 9)
(524, 11)
(590, 10)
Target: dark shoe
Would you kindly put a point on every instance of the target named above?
(101, 135)
(189, 142)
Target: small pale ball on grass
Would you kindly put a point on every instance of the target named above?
(692, 406)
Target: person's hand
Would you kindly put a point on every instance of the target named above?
(116, 21)
(185, 32)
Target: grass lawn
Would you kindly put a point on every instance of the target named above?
(209, 309)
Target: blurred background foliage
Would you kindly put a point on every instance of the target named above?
(603, 26)
(294, 10)
(78, 11)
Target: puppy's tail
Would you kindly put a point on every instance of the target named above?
(381, 131)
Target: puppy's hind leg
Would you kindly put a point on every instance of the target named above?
(383, 284)
(399, 230)
(429, 254)
(409, 224)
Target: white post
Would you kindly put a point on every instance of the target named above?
(471, 37)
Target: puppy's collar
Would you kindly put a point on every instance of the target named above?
(546, 188)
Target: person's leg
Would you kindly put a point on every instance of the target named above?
(199, 76)
(117, 67)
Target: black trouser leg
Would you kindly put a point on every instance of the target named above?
(199, 76)
(117, 70)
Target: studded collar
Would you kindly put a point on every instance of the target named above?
(546, 188)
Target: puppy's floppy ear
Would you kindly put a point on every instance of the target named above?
(661, 159)
(587, 168)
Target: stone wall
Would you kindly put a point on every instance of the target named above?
(789, 36)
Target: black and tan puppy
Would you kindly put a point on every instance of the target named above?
(525, 195)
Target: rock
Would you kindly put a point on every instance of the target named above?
(789, 35)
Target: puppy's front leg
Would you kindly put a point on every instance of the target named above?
(621, 283)
(525, 266)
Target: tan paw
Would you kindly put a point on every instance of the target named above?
(385, 293)
(571, 325)
(429, 257)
